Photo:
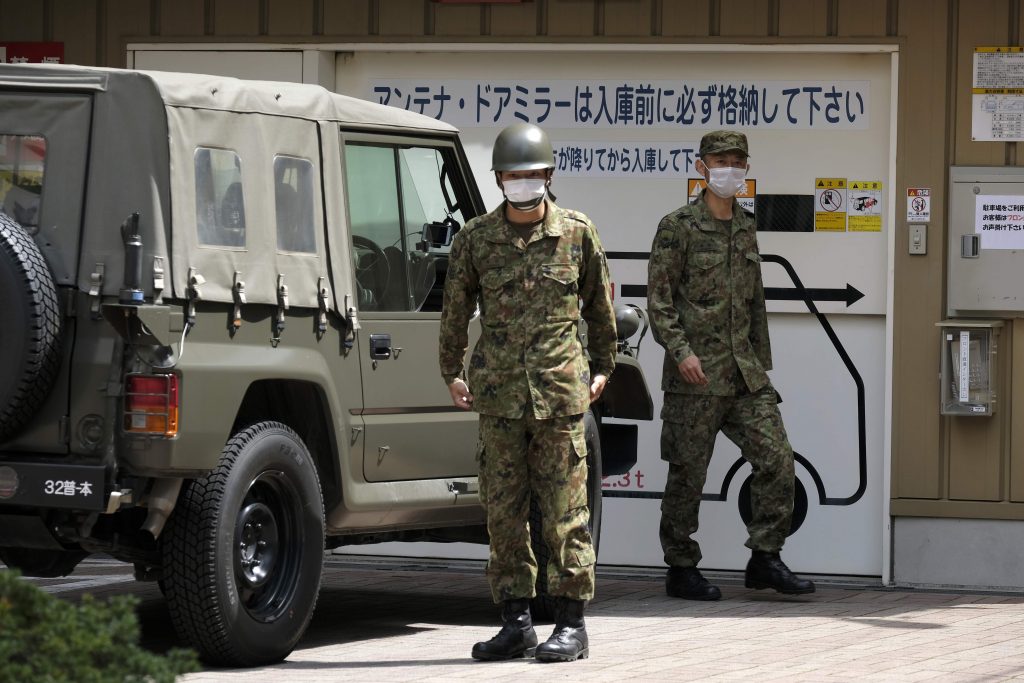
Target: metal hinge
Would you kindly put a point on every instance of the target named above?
(69, 302)
(95, 290)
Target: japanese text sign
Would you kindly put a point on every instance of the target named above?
(777, 105)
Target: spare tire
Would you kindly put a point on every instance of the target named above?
(30, 333)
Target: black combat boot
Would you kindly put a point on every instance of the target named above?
(689, 583)
(568, 642)
(516, 637)
(767, 570)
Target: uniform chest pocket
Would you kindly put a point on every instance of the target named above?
(559, 291)
(707, 276)
(498, 296)
(706, 260)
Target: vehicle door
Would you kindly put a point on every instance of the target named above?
(406, 198)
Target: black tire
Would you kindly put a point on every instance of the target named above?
(243, 550)
(30, 342)
(44, 563)
(543, 606)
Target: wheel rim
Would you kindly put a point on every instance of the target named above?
(258, 544)
(268, 546)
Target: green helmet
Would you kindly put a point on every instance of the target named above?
(522, 147)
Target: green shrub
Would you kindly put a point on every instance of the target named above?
(47, 640)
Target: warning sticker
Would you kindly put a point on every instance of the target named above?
(746, 195)
(865, 197)
(830, 204)
(997, 98)
(919, 204)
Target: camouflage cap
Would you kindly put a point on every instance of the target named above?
(720, 141)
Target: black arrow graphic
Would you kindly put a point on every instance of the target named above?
(808, 299)
(850, 294)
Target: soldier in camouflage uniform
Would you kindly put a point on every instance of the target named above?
(706, 305)
(529, 265)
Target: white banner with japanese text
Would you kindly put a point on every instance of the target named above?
(773, 105)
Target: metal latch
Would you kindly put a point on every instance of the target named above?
(464, 486)
(351, 323)
(324, 297)
(195, 281)
(95, 289)
(158, 278)
(282, 306)
(238, 294)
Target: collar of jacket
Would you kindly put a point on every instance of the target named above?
(706, 222)
(502, 232)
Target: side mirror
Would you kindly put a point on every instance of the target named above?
(440, 234)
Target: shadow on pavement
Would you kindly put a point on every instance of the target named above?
(358, 604)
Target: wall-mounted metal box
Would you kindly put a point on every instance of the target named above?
(986, 241)
(968, 366)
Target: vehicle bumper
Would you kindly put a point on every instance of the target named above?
(53, 485)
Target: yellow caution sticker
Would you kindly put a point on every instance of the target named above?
(865, 211)
(830, 204)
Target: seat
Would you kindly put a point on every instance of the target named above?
(291, 232)
(232, 216)
(395, 297)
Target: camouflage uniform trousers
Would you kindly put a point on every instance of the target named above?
(750, 420)
(547, 457)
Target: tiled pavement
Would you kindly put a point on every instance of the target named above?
(381, 620)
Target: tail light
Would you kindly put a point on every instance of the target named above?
(151, 404)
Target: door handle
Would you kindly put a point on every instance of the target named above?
(380, 346)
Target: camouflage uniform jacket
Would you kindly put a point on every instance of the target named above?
(705, 298)
(529, 295)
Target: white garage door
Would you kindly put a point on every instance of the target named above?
(626, 126)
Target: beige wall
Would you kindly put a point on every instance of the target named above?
(941, 467)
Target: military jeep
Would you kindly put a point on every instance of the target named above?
(221, 307)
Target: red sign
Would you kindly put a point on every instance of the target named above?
(25, 53)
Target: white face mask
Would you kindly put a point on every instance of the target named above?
(525, 193)
(726, 182)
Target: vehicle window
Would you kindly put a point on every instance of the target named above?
(22, 161)
(220, 205)
(293, 202)
(426, 211)
(375, 225)
(399, 218)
